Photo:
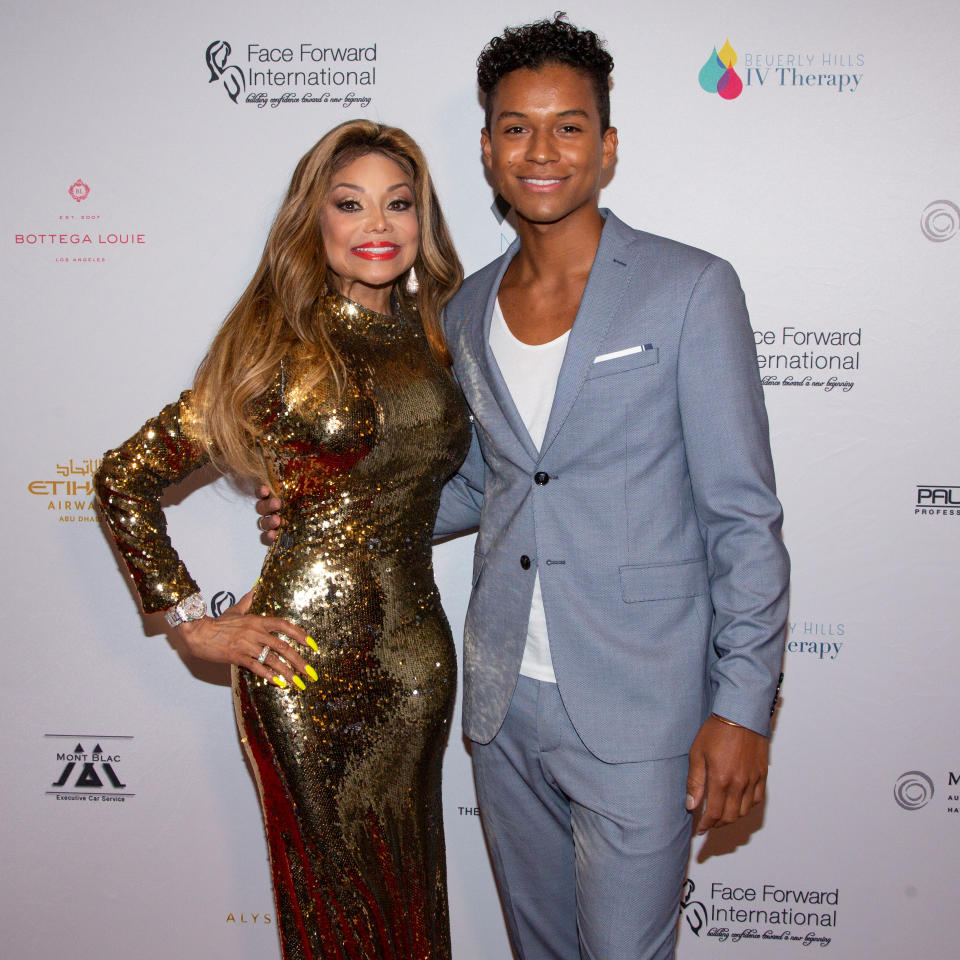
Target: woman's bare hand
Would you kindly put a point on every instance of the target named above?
(239, 637)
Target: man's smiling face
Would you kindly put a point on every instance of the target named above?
(545, 148)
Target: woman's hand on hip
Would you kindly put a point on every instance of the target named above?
(251, 642)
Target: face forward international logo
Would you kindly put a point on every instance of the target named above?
(913, 790)
(718, 76)
(230, 76)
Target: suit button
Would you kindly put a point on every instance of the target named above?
(525, 562)
(541, 478)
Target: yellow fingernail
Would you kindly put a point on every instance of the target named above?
(280, 682)
(311, 673)
(313, 645)
(299, 683)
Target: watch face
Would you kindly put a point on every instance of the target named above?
(193, 608)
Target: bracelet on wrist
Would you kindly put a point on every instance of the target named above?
(190, 608)
(729, 723)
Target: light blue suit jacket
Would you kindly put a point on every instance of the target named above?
(657, 533)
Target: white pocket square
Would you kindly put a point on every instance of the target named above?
(622, 353)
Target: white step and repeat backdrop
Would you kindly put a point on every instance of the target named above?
(146, 148)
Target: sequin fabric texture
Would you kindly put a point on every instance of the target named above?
(349, 769)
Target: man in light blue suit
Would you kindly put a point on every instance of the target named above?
(624, 636)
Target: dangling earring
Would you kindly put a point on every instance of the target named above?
(413, 284)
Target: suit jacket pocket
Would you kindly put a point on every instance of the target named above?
(664, 581)
(642, 358)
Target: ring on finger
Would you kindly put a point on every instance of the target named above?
(260, 523)
(264, 653)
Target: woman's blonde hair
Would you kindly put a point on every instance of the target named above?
(281, 305)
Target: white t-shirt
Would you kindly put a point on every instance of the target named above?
(530, 372)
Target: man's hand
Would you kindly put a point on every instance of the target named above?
(268, 506)
(728, 773)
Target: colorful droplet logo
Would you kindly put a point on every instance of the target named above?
(718, 76)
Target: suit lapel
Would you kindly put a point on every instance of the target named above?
(500, 417)
(608, 282)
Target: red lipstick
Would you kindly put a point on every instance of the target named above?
(376, 250)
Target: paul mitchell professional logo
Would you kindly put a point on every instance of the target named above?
(717, 74)
(825, 70)
(79, 190)
(304, 73)
(222, 601)
(913, 790)
(940, 221)
(937, 501)
(90, 774)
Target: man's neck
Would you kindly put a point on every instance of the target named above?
(550, 252)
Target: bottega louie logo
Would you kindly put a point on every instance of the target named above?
(79, 190)
(913, 790)
(717, 74)
(74, 239)
(87, 775)
(940, 221)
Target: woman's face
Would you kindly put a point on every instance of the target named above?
(370, 229)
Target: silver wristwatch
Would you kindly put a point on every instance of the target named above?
(190, 608)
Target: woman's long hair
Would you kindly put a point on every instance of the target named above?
(281, 305)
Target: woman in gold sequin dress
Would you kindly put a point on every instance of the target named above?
(331, 378)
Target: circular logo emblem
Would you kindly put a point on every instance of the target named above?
(222, 600)
(913, 790)
(940, 220)
(79, 190)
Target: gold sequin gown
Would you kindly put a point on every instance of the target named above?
(349, 769)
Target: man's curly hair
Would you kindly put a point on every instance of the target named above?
(535, 45)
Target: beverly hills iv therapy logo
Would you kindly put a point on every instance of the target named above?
(803, 70)
(718, 76)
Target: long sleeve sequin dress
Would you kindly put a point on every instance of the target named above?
(348, 770)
